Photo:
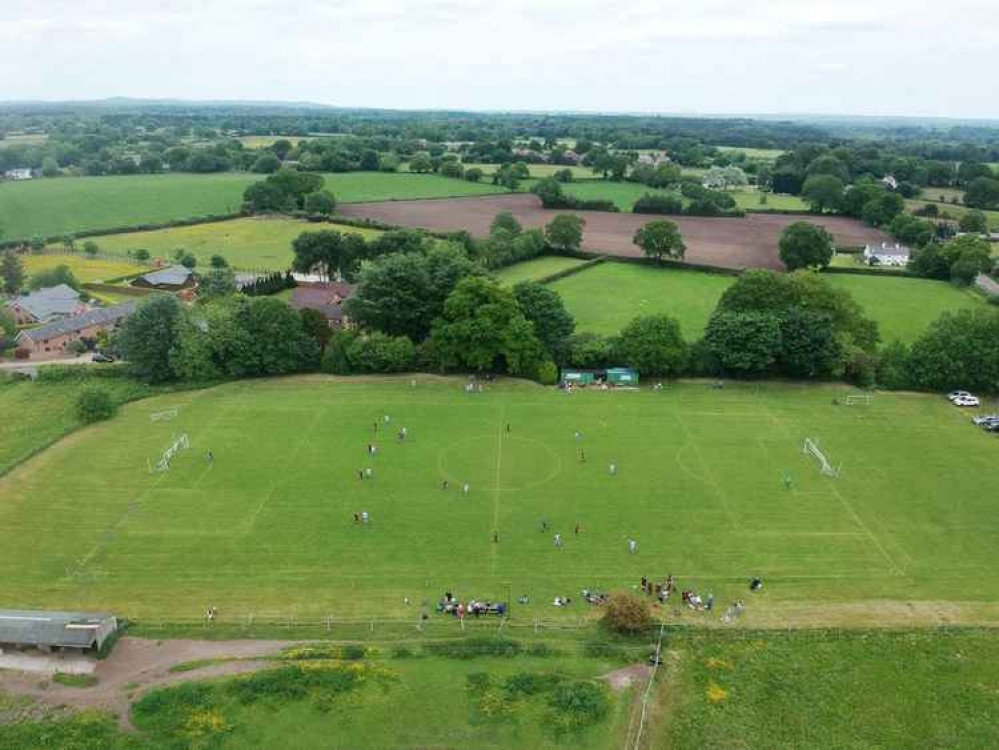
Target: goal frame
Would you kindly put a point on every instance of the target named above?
(810, 447)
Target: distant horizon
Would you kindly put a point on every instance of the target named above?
(890, 58)
(317, 105)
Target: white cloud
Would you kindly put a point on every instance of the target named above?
(863, 56)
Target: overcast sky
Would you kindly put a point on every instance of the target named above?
(874, 57)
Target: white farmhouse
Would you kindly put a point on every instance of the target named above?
(18, 174)
(886, 255)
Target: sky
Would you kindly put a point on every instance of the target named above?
(857, 57)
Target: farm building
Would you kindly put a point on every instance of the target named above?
(18, 174)
(616, 376)
(326, 298)
(52, 339)
(886, 255)
(46, 305)
(653, 160)
(48, 632)
(172, 279)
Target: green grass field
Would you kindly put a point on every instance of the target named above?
(73, 204)
(605, 298)
(541, 170)
(254, 243)
(266, 530)
(536, 268)
(755, 154)
(955, 212)
(85, 269)
(835, 691)
(624, 195)
(904, 307)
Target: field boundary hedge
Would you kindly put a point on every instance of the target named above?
(675, 264)
(130, 291)
(896, 272)
(571, 271)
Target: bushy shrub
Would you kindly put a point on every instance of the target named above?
(94, 405)
(626, 613)
(578, 704)
(667, 205)
(531, 683)
(472, 648)
(547, 373)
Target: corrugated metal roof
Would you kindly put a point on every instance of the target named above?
(53, 300)
(172, 276)
(41, 628)
(98, 316)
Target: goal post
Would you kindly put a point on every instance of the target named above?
(860, 400)
(163, 464)
(163, 416)
(811, 448)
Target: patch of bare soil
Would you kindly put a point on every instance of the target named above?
(738, 243)
(622, 679)
(137, 665)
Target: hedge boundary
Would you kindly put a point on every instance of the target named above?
(572, 270)
(129, 291)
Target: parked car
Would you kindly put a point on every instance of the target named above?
(992, 427)
(102, 357)
(957, 394)
(985, 419)
(966, 401)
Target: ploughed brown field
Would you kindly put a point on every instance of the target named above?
(749, 242)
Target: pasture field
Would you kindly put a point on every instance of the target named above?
(73, 204)
(605, 298)
(956, 212)
(86, 270)
(539, 171)
(266, 141)
(23, 139)
(904, 307)
(254, 243)
(266, 530)
(624, 195)
(535, 269)
(836, 691)
(768, 155)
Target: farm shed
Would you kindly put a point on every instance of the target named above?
(46, 305)
(79, 632)
(325, 298)
(171, 279)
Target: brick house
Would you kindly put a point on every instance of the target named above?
(51, 339)
(46, 305)
(326, 298)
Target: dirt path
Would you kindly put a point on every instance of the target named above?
(137, 665)
(748, 242)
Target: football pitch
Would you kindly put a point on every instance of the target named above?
(267, 528)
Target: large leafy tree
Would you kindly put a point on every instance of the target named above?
(744, 343)
(654, 345)
(11, 272)
(544, 307)
(660, 239)
(149, 334)
(805, 245)
(332, 254)
(982, 192)
(565, 232)
(959, 350)
(823, 192)
(482, 328)
(400, 294)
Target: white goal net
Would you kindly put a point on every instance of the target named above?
(163, 416)
(163, 464)
(863, 400)
(811, 448)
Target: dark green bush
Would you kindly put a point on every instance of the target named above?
(94, 404)
(471, 648)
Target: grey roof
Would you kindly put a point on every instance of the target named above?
(98, 316)
(172, 276)
(40, 628)
(53, 300)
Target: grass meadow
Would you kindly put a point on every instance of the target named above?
(768, 155)
(955, 212)
(539, 171)
(267, 531)
(85, 269)
(536, 268)
(836, 691)
(603, 299)
(73, 204)
(624, 195)
(255, 243)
